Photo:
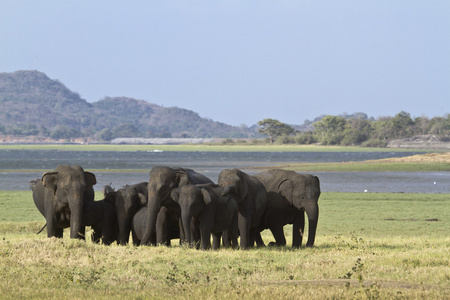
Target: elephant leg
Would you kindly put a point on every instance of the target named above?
(216, 240)
(278, 234)
(226, 239)
(258, 239)
(136, 240)
(244, 230)
(58, 233)
(205, 238)
(298, 229)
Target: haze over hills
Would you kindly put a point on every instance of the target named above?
(33, 104)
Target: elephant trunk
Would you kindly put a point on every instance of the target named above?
(76, 217)
(312, 211)
(186, 220)
(152, 214)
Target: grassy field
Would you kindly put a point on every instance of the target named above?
(368, 246)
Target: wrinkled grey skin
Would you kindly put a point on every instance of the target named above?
(127, 201)
(167, 221)
(252, 201)
(212, 213)
(60, 197)
(162, 181)
(290, 195)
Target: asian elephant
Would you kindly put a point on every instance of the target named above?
(101, 216)
(210, 210)
(252, 200)
(290, 194)
(167, 221)
(60, 196)
(127, 201)
(162, 181)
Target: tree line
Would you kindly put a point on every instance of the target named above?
(356, 130)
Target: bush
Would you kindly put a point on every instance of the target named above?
(305, 138)
(375, 143)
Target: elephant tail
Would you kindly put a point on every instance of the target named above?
(42, 228)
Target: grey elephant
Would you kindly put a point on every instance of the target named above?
(167, 221)
(60, 197)
(127, 201)
(162, 181)
(101, 216)
(206, 206)
(252, 201)
(290, 194)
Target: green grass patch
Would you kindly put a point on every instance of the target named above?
(368, 246)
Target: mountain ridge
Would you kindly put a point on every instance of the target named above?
(34, 104)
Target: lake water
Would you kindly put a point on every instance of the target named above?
(211, 163)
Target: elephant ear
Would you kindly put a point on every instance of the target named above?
(90, 179)
(285, 189)
(182, 178)
(243, 186)
(50, 180)
(175, 195)
(142, 199)
(206, 196)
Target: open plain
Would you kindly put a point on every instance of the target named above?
(368, 246)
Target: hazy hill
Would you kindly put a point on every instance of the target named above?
(32, 103)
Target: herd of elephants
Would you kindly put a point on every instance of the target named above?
(179, 203)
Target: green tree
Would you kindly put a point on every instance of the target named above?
(357, 130)
(274, 129)
(402, 125)
(440, 126)
(330, 130)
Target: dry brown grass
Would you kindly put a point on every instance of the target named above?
(427, 157)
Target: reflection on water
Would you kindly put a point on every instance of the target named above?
(211, 163)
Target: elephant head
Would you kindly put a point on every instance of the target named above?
(234, 182)
(72, 187)
(162, 181)
(127, 202)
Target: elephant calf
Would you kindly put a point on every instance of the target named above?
(205, 206)
(101, 216)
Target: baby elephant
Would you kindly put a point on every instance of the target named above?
(204, 207)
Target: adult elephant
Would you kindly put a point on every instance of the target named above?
(290, 194)
(127, 201)
(60, 197)
(162, 181)
(205, 206)
(252, 200)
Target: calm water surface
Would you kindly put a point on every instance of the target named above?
(211, 163)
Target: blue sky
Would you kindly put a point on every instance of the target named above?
(239, 62)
